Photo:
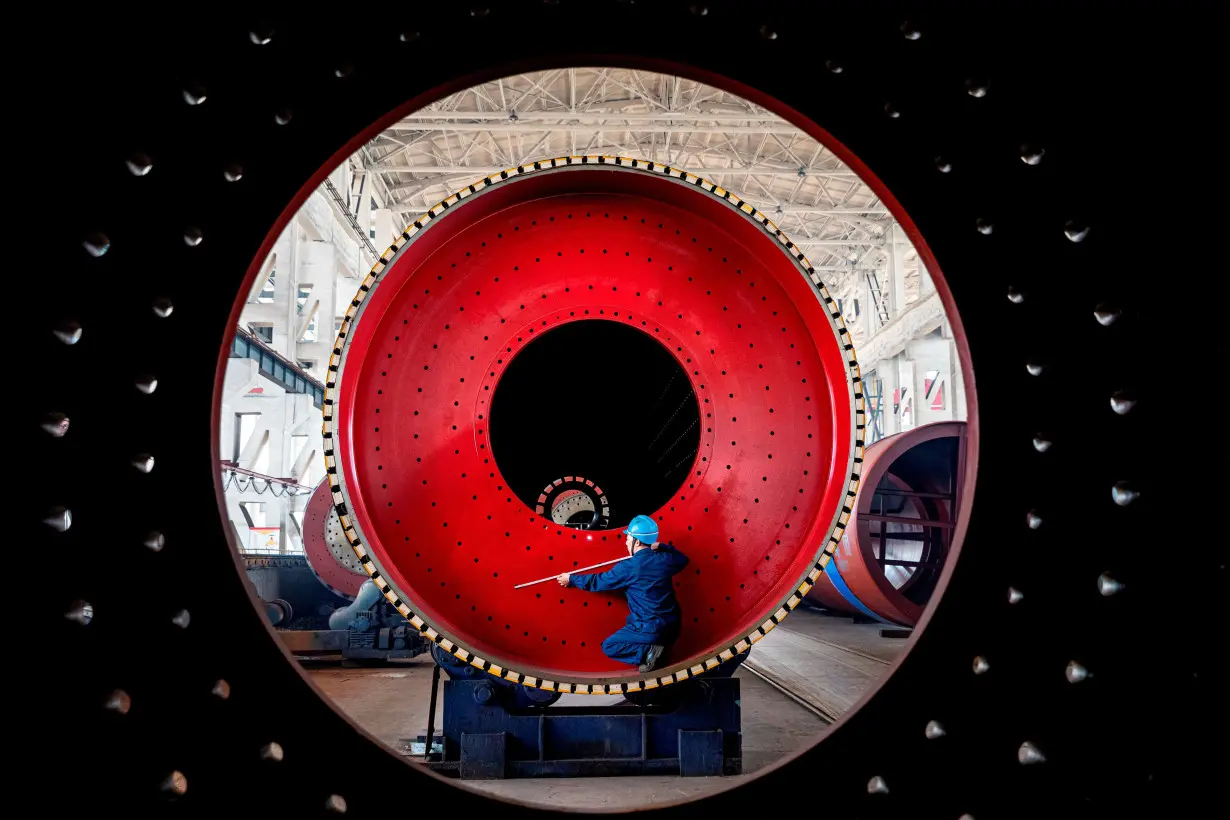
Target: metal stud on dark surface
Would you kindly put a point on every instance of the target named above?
(1108, 586)
(1122, 402)
(59, 519)
(1075, 673)
(1029, 754)
(148, 81)
(1123, 494)
(139, 163)
(96, 243)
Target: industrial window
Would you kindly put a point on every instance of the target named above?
(301, 297)
(309, 331)
(267, 291)
(245, 426)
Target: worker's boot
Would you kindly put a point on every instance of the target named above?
(652, 655)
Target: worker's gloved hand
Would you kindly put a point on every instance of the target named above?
(563, 579)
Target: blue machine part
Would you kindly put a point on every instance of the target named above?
(368, 595)
(643, 529)
(512, 695)
(698, 735)
(839, 584)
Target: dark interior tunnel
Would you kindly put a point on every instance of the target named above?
(602, 400)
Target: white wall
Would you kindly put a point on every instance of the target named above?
(282, 439)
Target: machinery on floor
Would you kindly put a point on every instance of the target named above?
(889, 563)
(322, 604)
(494, 729)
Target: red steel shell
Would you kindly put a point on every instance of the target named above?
(769, 361)
(855, 559)
(317, 517)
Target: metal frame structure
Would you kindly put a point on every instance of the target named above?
(807, 190)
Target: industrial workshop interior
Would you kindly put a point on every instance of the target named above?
(595, 438)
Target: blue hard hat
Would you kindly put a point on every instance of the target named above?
(643, 529)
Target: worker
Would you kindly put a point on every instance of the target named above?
(654, 616)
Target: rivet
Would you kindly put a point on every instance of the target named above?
(1121, 402)
(118, 701)
(162, 307)
(976, 88)
(1029, 754)
(147, 384)
(143, 462)
(261, 36)
(1075, 231)
(59, 519)
(194, 94)
(1074, 672)
(1107, 585)
(1015, 296)
(81, 612)
(68, 332)
(181, 619)
(934, 730)
(984, 226)
(96, 243)
(1015, 596)
(768, 33)
(221, 689)
(283, 116)
(175, 783)
(272, 751)
(1106, 314)
(192, 236)
(1123, 494)
(876, 785)
(1033, 519)
(1042, 443)
(233, 172)
(139, 163)
(980, 665)
(1031, 154)
(56, 424)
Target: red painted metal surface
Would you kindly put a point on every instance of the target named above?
(855, 558)
(441, 326)
(327, 552)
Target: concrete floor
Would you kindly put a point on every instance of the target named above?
(824, 660)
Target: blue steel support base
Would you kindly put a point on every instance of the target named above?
(696, 735)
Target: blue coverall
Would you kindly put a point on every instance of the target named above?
(654, 616)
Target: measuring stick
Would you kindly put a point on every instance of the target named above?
(582, 569)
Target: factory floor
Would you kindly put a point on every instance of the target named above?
(812, 666)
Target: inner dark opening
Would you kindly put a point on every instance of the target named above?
(913, 555)
(601, 400)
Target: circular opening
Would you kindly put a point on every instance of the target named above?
(601, 400)
(494, 374)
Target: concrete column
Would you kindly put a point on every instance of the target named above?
(890, 378)
(932, 356)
